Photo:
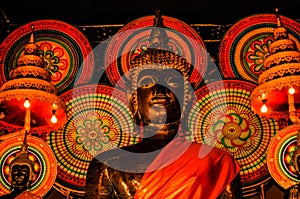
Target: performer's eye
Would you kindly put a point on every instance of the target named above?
(174, 82)
(14, 171)
(24, 171)
(146, 81)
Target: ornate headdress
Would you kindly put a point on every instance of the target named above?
(23, 159)
(158, 55)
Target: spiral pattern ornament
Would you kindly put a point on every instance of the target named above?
(245, 45)
(222, 118)
(45, 164)
(98, 120)
(280, 154)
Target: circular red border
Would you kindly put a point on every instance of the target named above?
(51, 26)
(114, 72)
(274, 156)
(43, 148)
(213, 101)
(69, 153)
(231, 38)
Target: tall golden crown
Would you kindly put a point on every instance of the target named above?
(158, 56)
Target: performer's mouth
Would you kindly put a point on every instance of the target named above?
(156, 101)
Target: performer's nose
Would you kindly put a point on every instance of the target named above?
(160, 91)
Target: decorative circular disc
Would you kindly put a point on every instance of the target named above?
(64, 48)
(223, 118)
(279, 159)
(98, 120)
(134, 37)
(245, 45)
(45, 167)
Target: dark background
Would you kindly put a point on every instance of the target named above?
(93, 12)
(86, 12)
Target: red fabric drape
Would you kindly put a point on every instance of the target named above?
(188, 170)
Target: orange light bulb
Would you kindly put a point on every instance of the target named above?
(264, 108)
(291, 90)
(26, 103)
(53, 119)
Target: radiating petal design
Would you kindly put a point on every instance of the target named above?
(98, 120)
(244, 46)
(222, 117)
(64, 48)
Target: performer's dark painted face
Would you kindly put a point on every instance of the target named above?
(20, 175)
(160, 95)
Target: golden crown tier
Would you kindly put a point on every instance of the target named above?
(279, 83)
(30, 82)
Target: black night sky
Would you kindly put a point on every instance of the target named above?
(87, 12)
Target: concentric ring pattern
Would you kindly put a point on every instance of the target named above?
(222, 117)
(134, 38)
(279, 158)
(98, 120)
(65, 50)
(45, 167)
(245, 45)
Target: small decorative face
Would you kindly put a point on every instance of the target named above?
(160, 95)
(20, 176)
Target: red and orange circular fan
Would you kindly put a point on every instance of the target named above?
(245, 45)
(98, 120)
(222, 117)
(45, 167)
(134, 38)
(64, 48)
(279, 157)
